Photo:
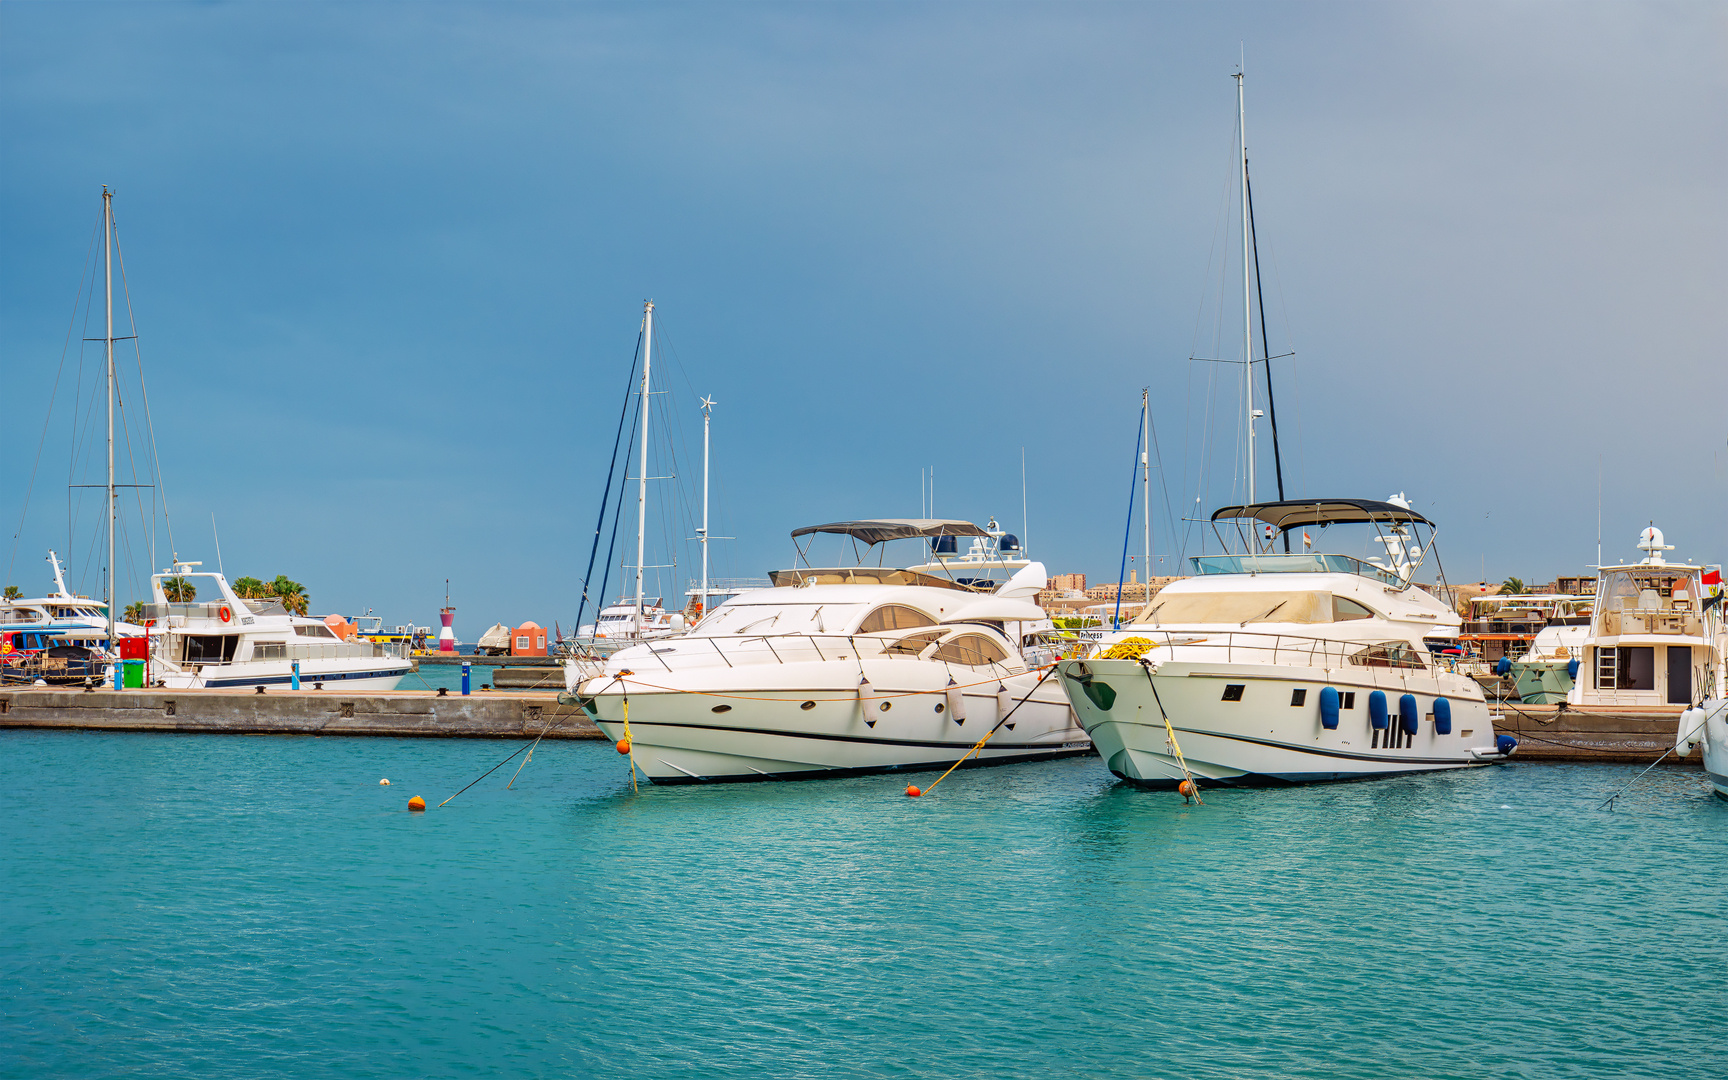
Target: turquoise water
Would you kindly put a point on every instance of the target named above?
(259, 907)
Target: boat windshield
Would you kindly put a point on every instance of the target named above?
(1291, 564)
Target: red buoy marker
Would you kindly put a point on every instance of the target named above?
(912, 791)
(623, 746)
(417, 805)
(1186, 789)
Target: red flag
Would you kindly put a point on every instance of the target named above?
(1712, 577)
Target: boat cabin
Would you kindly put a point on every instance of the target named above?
(1655, 636)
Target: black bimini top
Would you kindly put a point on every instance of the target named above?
(883, 529)
(1299, 513)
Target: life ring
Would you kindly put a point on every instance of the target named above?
(224, 614)
(148, 623)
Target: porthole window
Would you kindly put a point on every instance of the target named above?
(886, 705)
(1297, 697)
(1349, 699)
(1233, 692)
(808, 705)
(721, 708)
(940, 705)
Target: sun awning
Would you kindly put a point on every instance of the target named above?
(880, 530)
(1298, 513)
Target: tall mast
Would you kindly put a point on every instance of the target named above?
(108, 268)
(707, 408)
(642, 477)
(1247, 311)
(1146, 479)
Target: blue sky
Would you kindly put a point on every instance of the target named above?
(388, 263)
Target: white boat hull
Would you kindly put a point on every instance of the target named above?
(356, 674)
(768, 733)
(1262, 739)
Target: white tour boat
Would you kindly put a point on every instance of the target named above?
(835, 671)
(1656, 637)
(1274, 668)
(222, 640)
(47, 616)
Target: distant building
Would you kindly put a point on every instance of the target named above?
(529, 639)
(1065, 583)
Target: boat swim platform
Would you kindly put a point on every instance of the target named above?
(396, 713)
(1623, 734)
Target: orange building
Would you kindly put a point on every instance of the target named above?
(529, 639)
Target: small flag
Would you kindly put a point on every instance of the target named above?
(1713, 576)
(1307, 541)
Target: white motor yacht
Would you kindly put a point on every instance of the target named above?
(216, 639)
(834, 671)
(46, 616)
(1272, 668)
(1655, 637)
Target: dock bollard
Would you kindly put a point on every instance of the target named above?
(465, 676)
(119, 683)
(294, 679)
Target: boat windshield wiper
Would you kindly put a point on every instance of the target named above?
(1262, 616)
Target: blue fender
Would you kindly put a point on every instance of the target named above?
(1329, 709)
(1408, 714)
(1572, 670)
(1377, 708)
(1442, 716)
(1506, 744)
(1503, 665)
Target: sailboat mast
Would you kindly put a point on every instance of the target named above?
(707, 408)
(1146, 478)
(642, 474)
(108, 269)
(1247, 310)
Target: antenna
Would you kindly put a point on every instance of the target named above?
(1598, 511)
(1025, 522)
(218, 537)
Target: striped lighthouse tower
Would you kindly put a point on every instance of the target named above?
(446, 616)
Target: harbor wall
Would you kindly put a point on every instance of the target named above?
(1566, 733)
(411, 714)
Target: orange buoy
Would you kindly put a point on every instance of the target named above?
(912, 791)
(1185, 789)
(417, 804)
(623, 746)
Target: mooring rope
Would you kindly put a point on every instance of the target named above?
(1170, 733)
(980, 744)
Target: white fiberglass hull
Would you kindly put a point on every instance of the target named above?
(686, 729)
(1708, 725)
(359, 673)
(1260, 738)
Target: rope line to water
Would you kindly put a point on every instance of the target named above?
(528, 746)
(1170, 732)
(980, 744)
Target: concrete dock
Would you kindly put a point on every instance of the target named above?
(1631, 735)
(418, 714)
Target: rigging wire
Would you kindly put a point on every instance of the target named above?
(606, 492)
(48, 419)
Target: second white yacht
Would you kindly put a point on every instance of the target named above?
(1271, 668)
(225, 641)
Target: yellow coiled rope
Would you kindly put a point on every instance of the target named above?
(1128, 649)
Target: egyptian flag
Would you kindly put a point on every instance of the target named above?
(1713, 582)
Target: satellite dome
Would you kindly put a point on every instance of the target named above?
(1650, 542)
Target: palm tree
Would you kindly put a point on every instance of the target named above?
(291, 593)
(178, 590)
(250, 588)
(1513, 585)
(13, 592)
(134, 612)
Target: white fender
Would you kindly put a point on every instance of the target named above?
(956, 702)
(1005, 701)
(866, 700)
(1689, 732)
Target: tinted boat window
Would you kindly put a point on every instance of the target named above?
(894, 617)
(973, 650)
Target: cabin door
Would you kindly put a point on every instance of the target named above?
(1679, 674)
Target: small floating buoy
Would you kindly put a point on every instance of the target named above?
(383, 783)
(417, 804)
(1185, 789)
(623, 746)
(912, 791)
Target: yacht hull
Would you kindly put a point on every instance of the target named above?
(1259, 738)
(362, 676)
(827, 731)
